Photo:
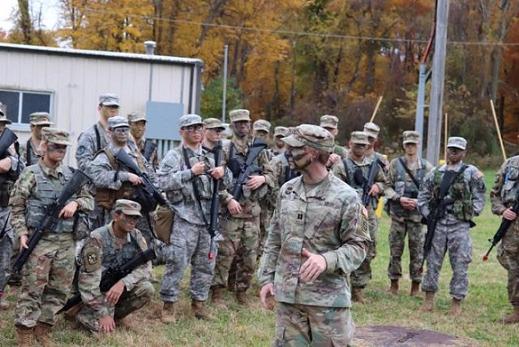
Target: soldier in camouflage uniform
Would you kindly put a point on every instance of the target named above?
(331, 123)
(504, 195)
(354, 170)
(109, 247)
(261, 130)
(279, 146)
(49, 270)
(240, 219)
(137, 123)
(317, 237)
(180, 170)
(10, 167)
(30, 153)
(213, 131)
(464, 200)
(373, 130)
(405, 175)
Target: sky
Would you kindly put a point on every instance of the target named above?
(50, 11)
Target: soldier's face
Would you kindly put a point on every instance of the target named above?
(109, 111)
(241, 128)
(192, 134)
(125, 222)
(53, 151)
(138, 128)
(279, 142)
(455, 155)
(263, 135)
(300, 157)
(2, 127)
(213, 135)
(36, 130)
(120, 135)
(333, 131)
(358, 149)
(372, 141)
(410, 148)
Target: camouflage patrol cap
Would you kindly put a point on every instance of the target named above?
(311, 135)
(128, 207)
(359, 137)
(371, 129)
(280, 131)
(411, 136)
(3, 114)
(329, 121)
(457, 142)
(213, 123)
(117, 122)
(57, 136)
(239, 115)
(136, 117)
(108, 99)
(40, 118)
(262, 125)
(189, 119)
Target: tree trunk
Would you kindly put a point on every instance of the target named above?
(25, 21)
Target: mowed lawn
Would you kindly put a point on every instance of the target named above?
(480, 321)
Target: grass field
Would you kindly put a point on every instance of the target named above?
(480, 321)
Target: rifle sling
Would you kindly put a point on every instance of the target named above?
(195, 187)
(415, 181)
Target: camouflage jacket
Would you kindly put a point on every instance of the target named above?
(381, 157)
(37, 187)
(341, 151)
(103, 251)
(89, 143)
(505, 191)
(154, 158)
(327, 219)
(467, 193)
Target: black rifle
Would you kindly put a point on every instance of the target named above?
(147, 195)
(51, 217)
(248, 168)
(368, 183)
(215, 202)
(149, 148)
(113, 275)
(6, 140)
(503, 228)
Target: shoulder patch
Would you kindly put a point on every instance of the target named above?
(91, 257)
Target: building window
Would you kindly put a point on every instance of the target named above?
(20, 104)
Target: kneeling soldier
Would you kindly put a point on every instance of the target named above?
(107, 248)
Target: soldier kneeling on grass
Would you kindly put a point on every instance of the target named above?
(109, 247)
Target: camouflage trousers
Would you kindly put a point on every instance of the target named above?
(129, 302)
(265, 217)
(455, 239)
(508, 257)
(360, 277)
(305, 325)
(190, 244)
(240, 239)
(416, 237)
(6, 249)
(46, 280)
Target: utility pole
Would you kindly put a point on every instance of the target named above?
(224, 92)
(437, 83)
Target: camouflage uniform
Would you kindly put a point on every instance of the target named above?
(101, 252)
(48, 273)
(503, 195)
(452, 230)
(404, 222)
(29, 152)
(329, 121)
(143, 142)
(327, 219)
(345, 170)
(241, 232)
(89, 143)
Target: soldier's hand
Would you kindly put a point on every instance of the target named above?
(374, 190)
(23, 242)
(69, 210)
(312, 267)
(134, 179)
(106, 324)
(332, 159)
(217, 172)
(5, 165)
(509, 214)
(267, 295)
(198, 168)
(254, 182)
(234, 207)
(408, 203)
(113, 295)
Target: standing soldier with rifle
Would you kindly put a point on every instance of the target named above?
(331, 123)
(49, 270)
(279, 146)
(367, 178)
(449, 198)
(147, 147)
(405, 175)
(373, 131)
(505, 202)
(10, 167)
(213, 130)
(30, 152)
(252, 177)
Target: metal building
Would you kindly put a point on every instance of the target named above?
(67, 82)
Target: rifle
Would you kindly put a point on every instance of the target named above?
(51, 219)
(247, 168)
(212, 228)
(7, 138)
(148, 196)
(368, 183)
(503, 228)
(149, 148)
(113, 275)
(4, 228)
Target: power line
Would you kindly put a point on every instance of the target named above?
(307, 33)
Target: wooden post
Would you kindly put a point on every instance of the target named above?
(497, 129)
(376, 109)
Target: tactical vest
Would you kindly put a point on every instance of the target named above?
(406, 188)
(46, 193)
(350, 167)
(235, 163)
(106, 197)
(286, 172)
(113, 256)
(460, 192)
(6, 185)
(510, 187)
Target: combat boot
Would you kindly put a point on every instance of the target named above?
(415, 288)
(455, 307)
(24, 336)
(393, 289)
(217, 297)
(357, 295)
(241, 297)
(168, 313)
(200, 311)
(428, 304)
(4, 305)
(42, 334)
(513, 317)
